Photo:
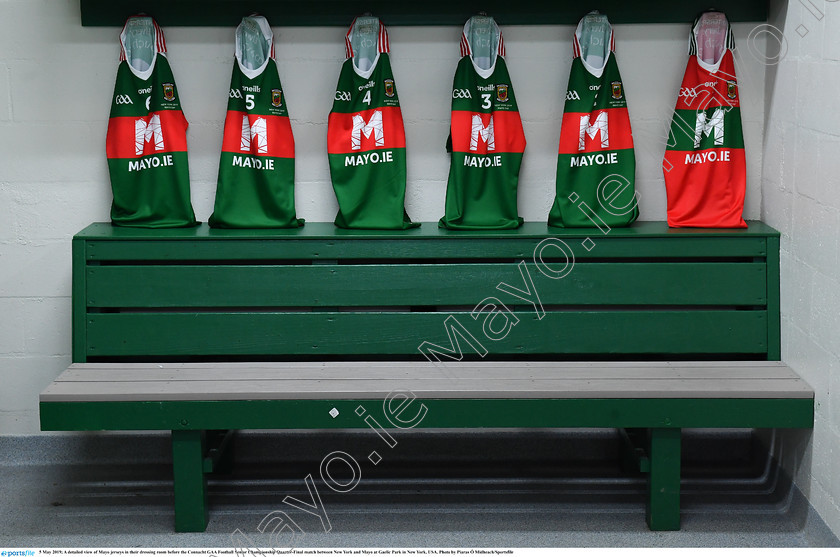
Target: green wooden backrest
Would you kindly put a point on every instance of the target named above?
(644, 292)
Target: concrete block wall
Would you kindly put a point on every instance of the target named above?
(801, 198)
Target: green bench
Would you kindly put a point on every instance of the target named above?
(646, 329)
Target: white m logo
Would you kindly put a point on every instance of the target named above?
(257, 133)
(704, 127)
(486, 133)
(145, 133)
(600, 125)
(372, 126)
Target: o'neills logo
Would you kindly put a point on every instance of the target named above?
(389, 87)
(276, 97)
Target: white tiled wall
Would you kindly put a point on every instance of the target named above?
(801, 197)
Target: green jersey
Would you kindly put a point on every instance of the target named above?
(146, 143)
(256, 186)
(486, 139)
(596, 163)
(365, 135)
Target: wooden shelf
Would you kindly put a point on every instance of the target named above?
(227, 13)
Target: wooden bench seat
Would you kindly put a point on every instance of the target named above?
(645, 329)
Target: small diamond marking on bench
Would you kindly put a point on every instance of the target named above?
(334, 412)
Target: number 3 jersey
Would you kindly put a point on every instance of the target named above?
(704, 164)
(596, 164)
(256, 185)
(365, 134)
(486, 138)
(146, 142)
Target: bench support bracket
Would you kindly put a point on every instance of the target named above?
(190, 483)
(663, 500)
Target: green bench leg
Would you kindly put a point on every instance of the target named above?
(188, 448)
(663, 504)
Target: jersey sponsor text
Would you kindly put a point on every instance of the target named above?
(372, 158)
(153, 161)
(479, 161)
(708, 156)
(596, 159)
(253, 162)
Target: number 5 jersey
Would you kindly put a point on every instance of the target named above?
(256, 185)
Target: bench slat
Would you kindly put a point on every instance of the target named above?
(378, 389)
(460, 380)
(156, 335)
(621, 283)
(242, 371)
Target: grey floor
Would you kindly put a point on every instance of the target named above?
(453, 489)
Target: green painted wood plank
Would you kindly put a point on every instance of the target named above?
(189, 481)
(178, 335)
(79, 328)
(437, 249)
(774, 321)
(663, 497)
(457, 413)
(429, 12)
(328, 231)
(153, 286)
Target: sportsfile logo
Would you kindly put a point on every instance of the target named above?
(461, 94)
(123, 99)
(572, 96)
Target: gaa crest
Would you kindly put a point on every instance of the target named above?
(617, 92)
(731, 89)
(169, 91)
(276, 97)
(501, 93)
(389, 88)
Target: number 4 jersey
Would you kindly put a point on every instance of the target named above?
(365, 136)
(146, 143)
(256, 186)
(705, 166)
